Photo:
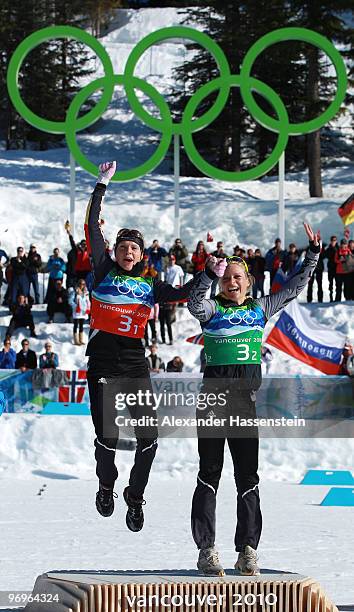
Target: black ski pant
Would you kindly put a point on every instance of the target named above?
(318, 276)
(244, 453)
(104, 413)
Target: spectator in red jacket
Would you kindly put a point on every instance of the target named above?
(199, 257)
(342, 271)
(80, 260)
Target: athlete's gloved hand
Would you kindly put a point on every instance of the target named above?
(107, 169)
(216, 265)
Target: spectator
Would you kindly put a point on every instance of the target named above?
(236, 251)
(348, 351)
(21, 316)
(80, 306)
(274, 259)
(180, 252)
(155, 253)
(152, 320)
(330, 254)
(291, 258)
(175, 365)
(26, 359)
(148, 269)
(4, 260)
(56, 268)
(250, 260)
(174, 273)
(220, 253)
(34, 266)
(19, 282)
(80, 256)
(58, 302)
(154, 362)
(266, 357)
(318, 274)
(350, 267)
(258, 273)
(199, 257)
(48, 359)
(167, 314)
(342, 272)
(7, 356)
(8, 277)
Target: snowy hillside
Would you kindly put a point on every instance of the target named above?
(299, 534)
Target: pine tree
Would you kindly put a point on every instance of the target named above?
(326, 18)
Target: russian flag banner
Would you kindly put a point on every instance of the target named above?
(281, 277)
(298, 335)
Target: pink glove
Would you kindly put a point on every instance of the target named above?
(107, 170)
(218, 266)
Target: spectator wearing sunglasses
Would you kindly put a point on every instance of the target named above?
(7, 356)
(233, 325)
(121, 303)
(26, 359)
(48, 359)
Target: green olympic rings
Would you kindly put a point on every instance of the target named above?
(225, 175)
(304, 35)
(185, 33)
(32, 41)
(158, 155)
(164, 123)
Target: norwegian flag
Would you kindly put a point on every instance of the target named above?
(198, 339)
(74, 391)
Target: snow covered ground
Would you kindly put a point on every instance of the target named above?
(60, 529)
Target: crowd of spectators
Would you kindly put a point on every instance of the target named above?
(69, 285)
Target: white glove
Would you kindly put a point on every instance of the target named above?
(107, 170)
(218, 266)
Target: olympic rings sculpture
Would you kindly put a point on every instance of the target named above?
(188, 125)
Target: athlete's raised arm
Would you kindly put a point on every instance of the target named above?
(271, 304)
(94, 237)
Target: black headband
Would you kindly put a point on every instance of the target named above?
(132, 237)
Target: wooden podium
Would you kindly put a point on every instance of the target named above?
(177, 591)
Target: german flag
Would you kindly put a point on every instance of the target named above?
(346, 210)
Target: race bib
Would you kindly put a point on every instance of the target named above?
(121, 305)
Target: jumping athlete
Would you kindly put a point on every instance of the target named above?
(233, 325)
(121, 303)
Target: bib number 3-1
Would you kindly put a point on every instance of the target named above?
(126, 325)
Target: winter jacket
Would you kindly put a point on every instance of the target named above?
(80, 304)
(19, 268)
(48, 360)
(34, 263)
(8, 359)
(330, 254)
(198, 261)
(340, 260)
(273, 259)
(181, 254)
(56, 267)
(155, 257)
(117, 299)
(26, 360)
(218, 317)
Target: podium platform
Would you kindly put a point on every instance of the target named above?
(177, 591)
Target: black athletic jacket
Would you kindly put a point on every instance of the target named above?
(111, 351)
